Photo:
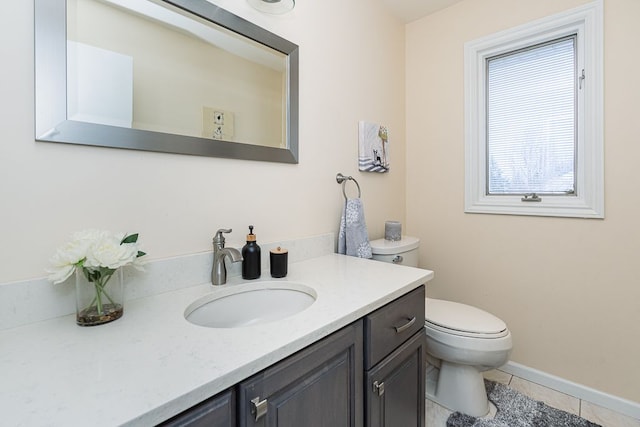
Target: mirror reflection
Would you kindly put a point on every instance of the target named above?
(180, 76)
(137, 64)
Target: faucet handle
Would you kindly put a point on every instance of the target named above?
(219, 238)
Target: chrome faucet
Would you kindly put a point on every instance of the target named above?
(219, 271)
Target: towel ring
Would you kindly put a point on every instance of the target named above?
(342, 179)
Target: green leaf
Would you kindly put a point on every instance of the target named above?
(132, 238)
(140, 253)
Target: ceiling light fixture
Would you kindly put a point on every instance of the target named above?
(275, 7)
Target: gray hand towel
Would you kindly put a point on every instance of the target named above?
(353, 238)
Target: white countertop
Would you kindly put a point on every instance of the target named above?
(152, 364)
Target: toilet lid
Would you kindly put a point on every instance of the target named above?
(462, 318)
(390, 247)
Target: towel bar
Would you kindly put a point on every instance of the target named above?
(342, 179)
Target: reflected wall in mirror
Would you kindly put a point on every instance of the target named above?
(180, 76)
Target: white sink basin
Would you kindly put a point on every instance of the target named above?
(245, 305)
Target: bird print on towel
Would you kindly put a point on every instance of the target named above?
(353, 238)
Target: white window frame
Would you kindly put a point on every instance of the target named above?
(588, 201)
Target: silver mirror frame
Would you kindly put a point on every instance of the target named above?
(51, 124)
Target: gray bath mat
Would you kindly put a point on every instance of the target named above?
(518, 410)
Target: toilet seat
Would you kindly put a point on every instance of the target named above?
(462, 320)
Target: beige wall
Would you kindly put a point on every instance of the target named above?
(569, 289)
(351, 68)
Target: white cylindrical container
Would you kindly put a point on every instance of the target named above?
(403, 251)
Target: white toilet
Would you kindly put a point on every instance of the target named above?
(462, 341)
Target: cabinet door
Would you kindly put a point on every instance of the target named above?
(395, 387)
(320, 386)
(217, 411)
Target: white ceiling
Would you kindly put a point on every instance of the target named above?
(410, 10)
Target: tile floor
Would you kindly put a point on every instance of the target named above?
(437, 415)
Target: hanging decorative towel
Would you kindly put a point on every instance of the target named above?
(353, 238)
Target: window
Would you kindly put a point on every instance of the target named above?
(531, 115)
(533, 119)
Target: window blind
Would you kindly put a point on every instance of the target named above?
(531, 120)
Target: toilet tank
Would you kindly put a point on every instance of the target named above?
(402, 252)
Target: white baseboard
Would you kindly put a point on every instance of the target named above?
(614, 403)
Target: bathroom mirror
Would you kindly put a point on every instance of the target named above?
(174, 76)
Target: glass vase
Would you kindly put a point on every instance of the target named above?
(99, 295)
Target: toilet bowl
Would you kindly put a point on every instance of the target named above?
(462, 341)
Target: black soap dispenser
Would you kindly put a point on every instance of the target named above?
(251, 257)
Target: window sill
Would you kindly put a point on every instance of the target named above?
(553, 206)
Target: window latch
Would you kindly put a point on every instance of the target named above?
(533, 197)
(581, 79)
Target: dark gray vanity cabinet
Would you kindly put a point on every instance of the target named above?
(217, 411)
(319, 386)
(395, 363)
(368, 373)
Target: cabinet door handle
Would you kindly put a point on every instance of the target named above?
(258, 408)
(407, 325)
(378, 388)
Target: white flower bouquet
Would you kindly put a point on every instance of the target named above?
(97, 255)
